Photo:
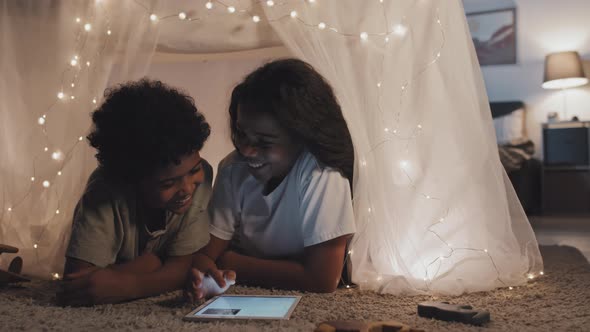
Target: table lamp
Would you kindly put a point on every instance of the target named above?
(564, 70)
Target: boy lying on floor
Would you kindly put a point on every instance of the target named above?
(143, 213)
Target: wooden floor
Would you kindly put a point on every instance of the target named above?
(573, 231)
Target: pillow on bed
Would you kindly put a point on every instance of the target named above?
(509, 127)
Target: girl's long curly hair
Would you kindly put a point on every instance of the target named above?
(304, 104)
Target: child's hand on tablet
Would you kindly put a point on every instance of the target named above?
(213, 283)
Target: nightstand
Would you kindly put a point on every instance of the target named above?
(566, 168)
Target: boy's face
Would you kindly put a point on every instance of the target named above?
(172, 187)
(269, 150)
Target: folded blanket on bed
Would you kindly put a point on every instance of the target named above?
(515, 153)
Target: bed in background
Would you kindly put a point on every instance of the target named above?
(516, 153)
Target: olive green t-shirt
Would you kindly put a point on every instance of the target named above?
(107, 227)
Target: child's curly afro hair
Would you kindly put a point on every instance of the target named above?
(142, 126)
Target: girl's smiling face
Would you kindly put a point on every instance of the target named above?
(269, 150)
(172, 187)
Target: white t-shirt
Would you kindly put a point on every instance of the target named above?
(311, 205)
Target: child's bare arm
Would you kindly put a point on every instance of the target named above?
(318, 271)
(95, 285)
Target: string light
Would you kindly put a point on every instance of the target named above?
(231, 9)
(78, 20)
(57, 155)
(32, 178)
(379, 84)
(35, 246)
(87, 27)
(41, 121)
(542, 273)
(55, 276)
(94, 100)
(9, 209)
(72, 85)
(364, 35)
(58, 172)
(46, 184)
(400, 30)
(153, 17)
(57, 211)
(87, 65)
(270, 3)
(73, 62)
(182, 15)
(322, 25)
(256, 18)
(109, 32)
(72, 97)
(293, 14)
(209, 5)
(80, 138)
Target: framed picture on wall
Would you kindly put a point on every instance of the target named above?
(494, 36)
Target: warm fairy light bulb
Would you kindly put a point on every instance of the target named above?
(379, 84)
(511, 288)
(441, 219)
(347, 286)
(9, 209)
(231, 9)
(72, 85)
(395, 131)
(87, 63)
(56, 211)
(76, 57)
(379, 278)
(73, 62)
(386, 39)
(322, 25)
(399, 30)
(363, 163)
(438, 55)
(428, 197)
(46, 184)
(364, 35)
(153, 17)
(78, 20)
(80, 138)
(57, 155)
(35, 246)
(293, 14)
(386, 129)
(58, 172)
(94, 100)
(311, 1)
(485, 250)
(209, 5)
(369, 210)
(87, 27)
(182, 15)
(55, 276)
(41, 121)
(530, 276)
(404, 164)
(72, 97)
(270, 3)
(256, 18)
(419, 126)
(350, 252)
(45, 149)
(109, 32)
(542, 273)
(32, 178)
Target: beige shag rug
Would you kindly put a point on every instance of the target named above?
(558, 301)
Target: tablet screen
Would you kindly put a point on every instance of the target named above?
(247, 307)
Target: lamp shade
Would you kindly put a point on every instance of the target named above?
(563, 70)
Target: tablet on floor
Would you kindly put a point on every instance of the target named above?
(245, 307)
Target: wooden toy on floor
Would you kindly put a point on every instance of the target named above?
(14, 269)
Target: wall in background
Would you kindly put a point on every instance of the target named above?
(542, 27)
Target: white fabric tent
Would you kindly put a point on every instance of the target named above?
(435, 211)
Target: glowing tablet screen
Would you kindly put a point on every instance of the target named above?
(247, 307)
